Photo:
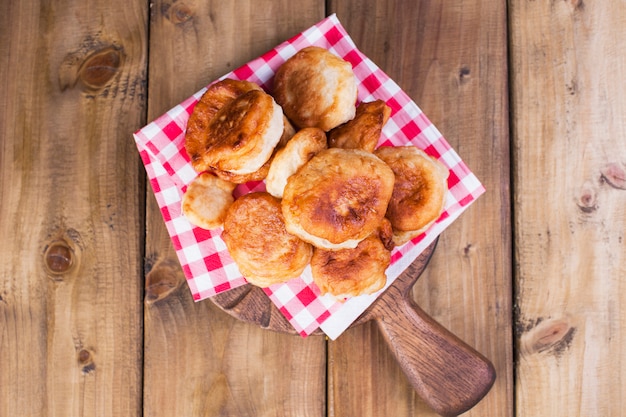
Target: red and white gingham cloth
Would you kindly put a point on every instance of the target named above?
(207, 265)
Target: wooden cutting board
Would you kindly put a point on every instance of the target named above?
(448, 374)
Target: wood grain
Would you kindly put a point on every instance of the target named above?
(450, 376)
(446, 373)
(198, 359)
(250, 303)
(80, 337)
(568, 135)
(70, 270)
(451, 59)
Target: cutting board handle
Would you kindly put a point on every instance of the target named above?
(450, 376)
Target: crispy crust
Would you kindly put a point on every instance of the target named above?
(261, 173)
(316, 89)
(362, 132)
(256, 238)
(258, 175)
(214, 98)
(385, 234)
(243, 134)
(351, 272)
(338, 198)
(419, 192)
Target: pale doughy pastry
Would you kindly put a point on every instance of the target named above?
(288, 133)
(338, 198)
(214, 98)
(207, 200)
(316, 89)
(362, 132)
(351, 272)
(305, 144)
(256, 238)
(243, 134)
(419, 192)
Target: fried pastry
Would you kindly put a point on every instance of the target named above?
(305, 144)
(258, 175)
(206, 200)
(419, 192)
(256, 238)
(214, 98)
(351, 272)
(338, 198)
(362, 132)
(288, 132)
(385, 234)
(261, 173)
(316, 89)
(243, 134)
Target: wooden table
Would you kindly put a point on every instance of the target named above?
(95, 316)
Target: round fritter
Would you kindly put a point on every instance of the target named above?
(206, 200)
(213, 99)
(316, 89)
(351, 272)
(261, 173)
(419, 192)
(305, 144)
(256, 238)
(338, 198)
(362, 132)
(243, 134)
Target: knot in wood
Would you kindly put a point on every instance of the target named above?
(179, 13)
(84, 356)
(550, 336)
(578, 5)
(163, 278)
(58, 257)
(587, 200)
(614, 174)
(100, 67)
(85, 361)
(464, 74)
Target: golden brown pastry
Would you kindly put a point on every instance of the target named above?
(256, 238)
(258, 175)
(261, 173)
(243, 134)
(213, 99)
(338, 198)
(288, 133)
(385, 234)
(362, 132)
(351, 272)
(419, 192)
(305, 144)
(316, 89)
(206, 200)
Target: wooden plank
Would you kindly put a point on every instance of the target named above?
(451, 59)
(568, 135)
(199, 360)
(70, 273)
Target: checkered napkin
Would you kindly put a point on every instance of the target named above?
(207, 265)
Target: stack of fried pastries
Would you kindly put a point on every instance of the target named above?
(334, 199)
